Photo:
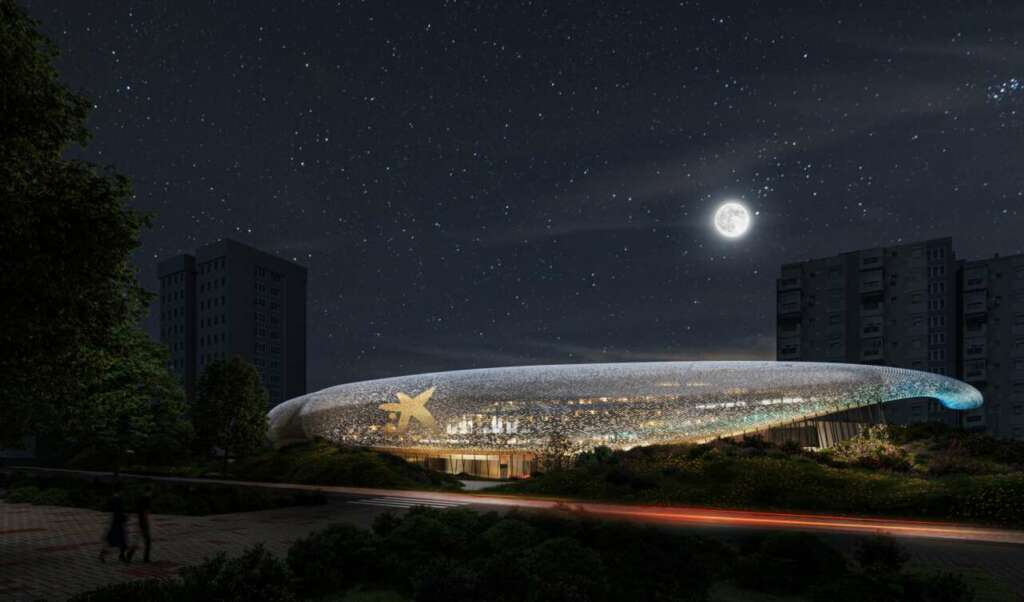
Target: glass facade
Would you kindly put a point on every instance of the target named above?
(491, 422)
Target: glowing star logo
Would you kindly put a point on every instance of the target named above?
(408, 408)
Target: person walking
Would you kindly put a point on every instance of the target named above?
(144, 505)
(117, 534)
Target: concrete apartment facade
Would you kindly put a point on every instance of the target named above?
(992, 342)
(230, 299)
(902, 306)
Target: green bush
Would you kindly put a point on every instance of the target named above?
(334, 560)
(789, 563)
(323, 463)
(937, 587)
(255, 575)
(880, 555)
(722, 474)
(562, 569)
(458, 554)
(873, 449)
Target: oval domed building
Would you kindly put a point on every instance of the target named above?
(492, 422)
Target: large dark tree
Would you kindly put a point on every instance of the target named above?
(66, 233)
(130, 402)
(230, 409)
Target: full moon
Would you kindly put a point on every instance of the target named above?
(732, 220)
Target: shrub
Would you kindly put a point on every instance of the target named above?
(562, 569)
(880, 555)
(443, 580)
(873, 449)
(937, 587)
(789, 563)
(320, 462)
(334, 560)
(255, 575)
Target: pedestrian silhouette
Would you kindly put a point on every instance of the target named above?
(117, 534)
(143, 509)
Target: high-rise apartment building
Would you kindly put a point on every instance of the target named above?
(992, 345)
(894, 306)
(230, 299)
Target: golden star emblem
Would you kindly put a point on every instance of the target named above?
(411, 407)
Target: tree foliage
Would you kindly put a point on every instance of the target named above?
(230, 410)
(65, 238)
(129, 401)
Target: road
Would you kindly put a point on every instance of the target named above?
(672, 515)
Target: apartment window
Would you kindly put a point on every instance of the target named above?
(937, 355)
(936, 338)
(937, 288)
(936, 303)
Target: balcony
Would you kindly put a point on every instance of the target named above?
(975, 303)
(974, 348)
(789, 303)
(789, 348)
(974, 371)
(789, 283)
(872, 350)
(979, 329)
(871, 260)
(874, 308)
(871, 281)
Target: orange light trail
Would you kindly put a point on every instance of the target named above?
(677, 515)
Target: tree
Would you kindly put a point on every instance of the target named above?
(129, 401)
(557, 453)
(230, 410)
(65, 238)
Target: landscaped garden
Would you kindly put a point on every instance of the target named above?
(313, 463)
(428, 555)
(924, 471)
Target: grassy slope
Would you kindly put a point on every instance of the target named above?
(767, 477)
(321, 463)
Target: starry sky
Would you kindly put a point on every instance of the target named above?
(476, 184)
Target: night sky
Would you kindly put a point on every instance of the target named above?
(506, 183)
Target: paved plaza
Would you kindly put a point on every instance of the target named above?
(51, 553)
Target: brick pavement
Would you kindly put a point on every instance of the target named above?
(51, 553)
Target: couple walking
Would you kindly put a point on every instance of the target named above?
(117, 534)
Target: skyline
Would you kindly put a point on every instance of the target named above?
(475, 187)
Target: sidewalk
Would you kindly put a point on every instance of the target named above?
(52, 552)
